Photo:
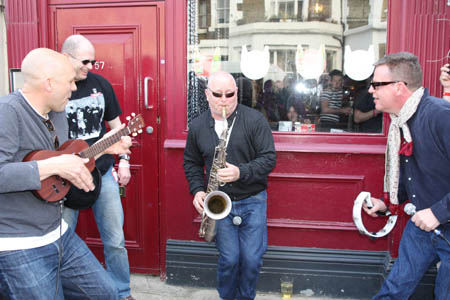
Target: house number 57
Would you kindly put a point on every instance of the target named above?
(99, 65)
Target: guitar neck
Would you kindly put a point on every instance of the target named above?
(104, 144)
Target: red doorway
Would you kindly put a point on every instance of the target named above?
(128, 43)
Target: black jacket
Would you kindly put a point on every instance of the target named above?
(250, 147)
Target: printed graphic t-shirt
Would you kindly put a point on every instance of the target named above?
(90, 107)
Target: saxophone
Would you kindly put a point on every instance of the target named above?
(217, 204)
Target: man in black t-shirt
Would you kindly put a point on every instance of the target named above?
(366, 115)
(95, 104)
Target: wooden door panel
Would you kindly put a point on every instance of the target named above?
(126, 44)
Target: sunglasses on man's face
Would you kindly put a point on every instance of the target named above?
(84, 62)
(87, 61)
(220, 95)
(376, 84)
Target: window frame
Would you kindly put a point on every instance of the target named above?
(320, 136)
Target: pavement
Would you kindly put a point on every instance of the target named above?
(148, 287)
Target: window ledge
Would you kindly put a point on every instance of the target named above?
(377, 149)
(331, 148)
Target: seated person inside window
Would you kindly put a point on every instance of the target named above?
(267, 102)
(284, 91)
(245, 91)
(296, 111)
(331, 104)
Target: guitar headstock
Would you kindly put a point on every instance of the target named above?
(135, 125)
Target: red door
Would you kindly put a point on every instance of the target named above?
(128, 54)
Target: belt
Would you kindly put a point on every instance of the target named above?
(242, 197)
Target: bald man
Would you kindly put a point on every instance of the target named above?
(93, 107)
(242, 235)
(40, 257)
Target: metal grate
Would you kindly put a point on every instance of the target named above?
(196, 100)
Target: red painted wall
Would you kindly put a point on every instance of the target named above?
(22, 29)
(423, 28)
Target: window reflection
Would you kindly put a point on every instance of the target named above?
(283, 54)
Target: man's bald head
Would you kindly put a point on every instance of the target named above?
(223, 77)
(49, 80)
(42, 63)
(74, 43)
(81, 53)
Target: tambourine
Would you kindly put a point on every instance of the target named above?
(357, 208)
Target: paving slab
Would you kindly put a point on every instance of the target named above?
(148, 287)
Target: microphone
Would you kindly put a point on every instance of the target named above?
(410, 209)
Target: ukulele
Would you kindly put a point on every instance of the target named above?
(55, 188)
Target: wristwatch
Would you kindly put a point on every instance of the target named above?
(124, 157)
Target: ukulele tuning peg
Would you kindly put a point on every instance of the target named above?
(133, 115)
(128, 118)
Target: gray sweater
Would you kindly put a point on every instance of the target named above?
(22, 130)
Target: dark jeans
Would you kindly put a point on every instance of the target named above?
(241, 248)
(108, 213)
(418, 250)
(33, 273)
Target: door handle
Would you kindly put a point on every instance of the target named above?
(146, 80)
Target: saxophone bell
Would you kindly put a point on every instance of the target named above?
(217, 205)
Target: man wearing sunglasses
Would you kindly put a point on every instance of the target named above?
(417, 170)
(91, 106)
(241, 236)
(40, 257)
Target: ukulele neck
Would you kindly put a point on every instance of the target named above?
(104, 144)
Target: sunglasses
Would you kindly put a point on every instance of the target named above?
(376, 84)
(51, 128)
(220, 95)
(84, 62)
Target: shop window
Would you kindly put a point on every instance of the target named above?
(381, 49)
(283, 59)
(358, 15)
(331, 60)
(320, 10)
(287, 57)
(223, 11)
(384, 11)
(286, 10)
(203, 14)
